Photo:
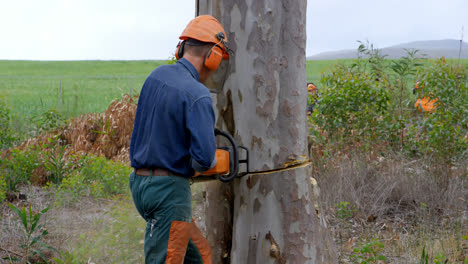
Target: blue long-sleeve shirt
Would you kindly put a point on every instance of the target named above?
(174, 122)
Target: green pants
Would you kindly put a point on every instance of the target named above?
(164, 201)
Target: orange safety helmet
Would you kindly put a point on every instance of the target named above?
(311, 87)
(206, 28)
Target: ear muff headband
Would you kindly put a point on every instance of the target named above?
(213, 57)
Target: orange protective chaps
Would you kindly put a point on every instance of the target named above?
(179, 236)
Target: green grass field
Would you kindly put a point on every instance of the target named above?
(76, 87)
(316, 68)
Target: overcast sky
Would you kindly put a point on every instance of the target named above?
(144, 29)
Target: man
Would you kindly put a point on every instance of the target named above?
(173, 140)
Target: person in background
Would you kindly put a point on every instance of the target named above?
(312, 97)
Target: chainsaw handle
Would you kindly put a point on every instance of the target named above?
(232, 172)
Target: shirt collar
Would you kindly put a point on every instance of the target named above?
(190, 68)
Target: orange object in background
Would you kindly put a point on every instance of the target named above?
(425, 104)
(222, 163)
(206, 28)
(311, 88)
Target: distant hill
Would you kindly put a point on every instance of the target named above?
(447, 48)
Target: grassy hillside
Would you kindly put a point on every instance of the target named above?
(448, 48)
(315, 68)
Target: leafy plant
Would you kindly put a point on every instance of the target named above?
(344, 211)
(32, 244)
(55, 162)
(371, 60)
(49, 120)
(404, 69)
(17, 168)
(171, 60)
(424, 257)
(440, 259)
(351, 106)
(369, 252)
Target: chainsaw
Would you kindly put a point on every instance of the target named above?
(227, 161)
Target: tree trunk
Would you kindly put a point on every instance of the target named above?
(263, 105)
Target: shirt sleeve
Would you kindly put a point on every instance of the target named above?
(200, 124)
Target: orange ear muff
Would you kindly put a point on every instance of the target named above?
(180, 50)
(213, 58)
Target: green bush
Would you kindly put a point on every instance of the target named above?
(97, 177)
(369, 104)
(48, 120)
(351, 105)
(18, 167)
(6, 133)
(444, 131)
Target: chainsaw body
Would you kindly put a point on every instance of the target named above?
(227, 161)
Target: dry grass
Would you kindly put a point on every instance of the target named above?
(104, 134)
(94, 230)
(64, 225)
(407, 204)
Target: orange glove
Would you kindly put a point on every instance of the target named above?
(222, 164)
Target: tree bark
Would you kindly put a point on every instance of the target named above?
(263, 105)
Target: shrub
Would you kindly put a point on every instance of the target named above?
(18, 167)
(55, 164)
(444, 131)
(48, 120)
(97, 177)
(351, 105)
(369, 104)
